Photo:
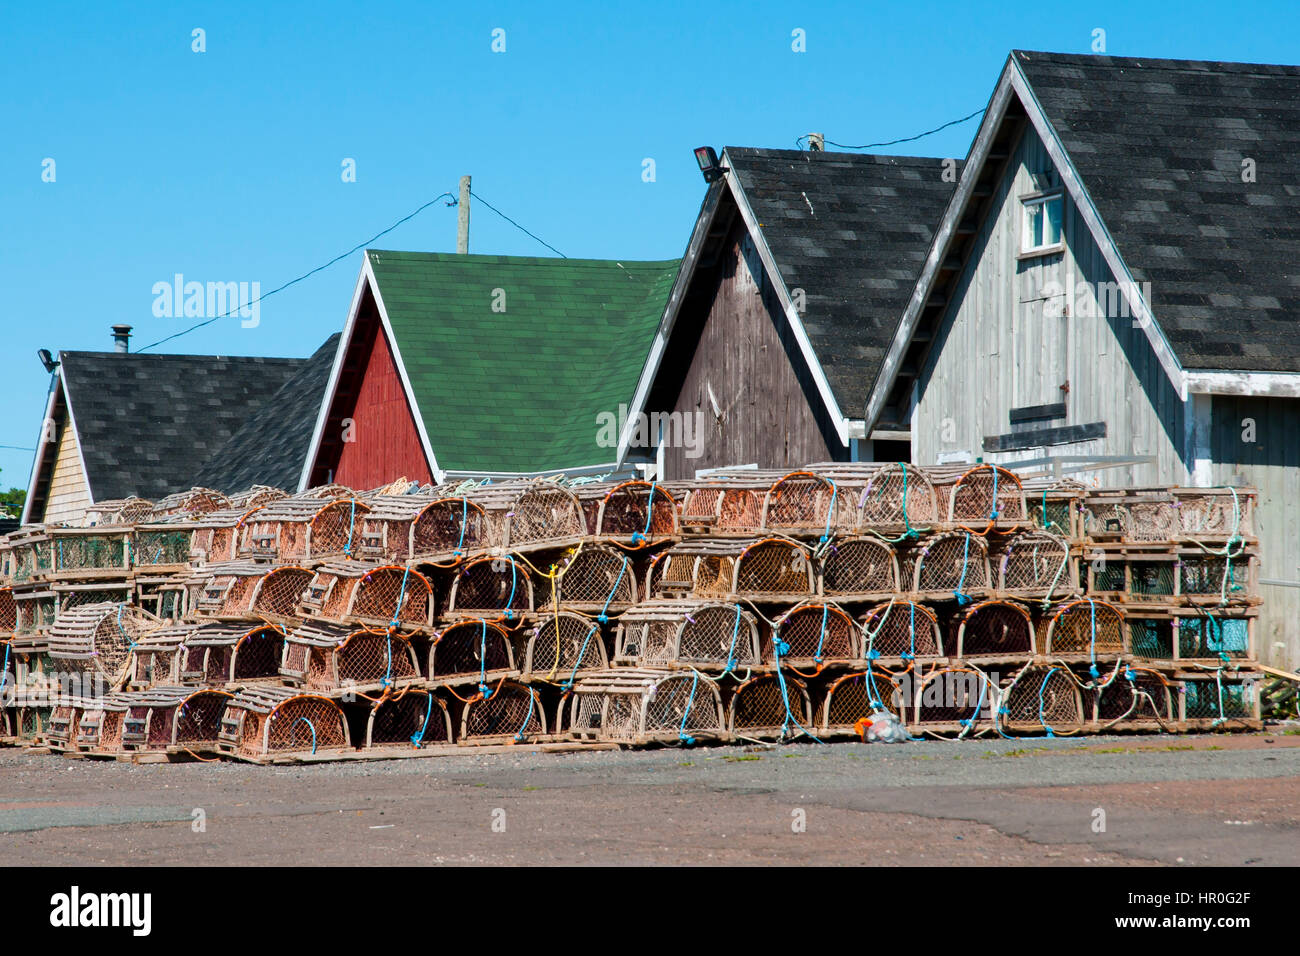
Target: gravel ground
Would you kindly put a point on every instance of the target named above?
(1220, 799)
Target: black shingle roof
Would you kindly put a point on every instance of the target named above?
(1159, 145)
(146, 423)
(271, 446)
(852, 231)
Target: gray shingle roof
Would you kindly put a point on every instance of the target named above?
(146, 422)
(1159, 146)
(852, 231)
(271, 446)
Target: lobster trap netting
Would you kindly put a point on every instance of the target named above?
(802, 502)
(1213, 636)
(955, 697)
(1034, 564)
(543, 513)
(471, 649)
(770, 706)
(369, 657)
(950, 563)
(1150, 521)
(492, 584)
(564, 644)
(774, 568)
(897, 496)
(1048, 699)
(101, 724)
(394, 595)
(77, 595)
(198, 718)
(448, 529)
(1145, 695)
(60, 732)
(1151, 578)
(195, 501)
(702, 635)
(8, 611)
(80, 551)
(303, 722)
(984, 496)
(155, 546)
(995, 629)
(415, 719)
(901, 629)
(637, 513)
(1087, 627)
(1224, 576)
(859, 566)
(279, 592)
(634, 706)
(228, 591)
(1218, 698)
(510, 711)
(812, 633)
(673, 572)
(336, 528)
(853, 697)
(257, 655)
(595, 578)
(1152, 638)
(1216, 514)
(96, 640)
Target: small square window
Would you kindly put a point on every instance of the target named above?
(1042, 225)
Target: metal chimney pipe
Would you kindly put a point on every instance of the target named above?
(121, 338)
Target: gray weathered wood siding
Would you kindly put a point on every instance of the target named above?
(745, 353)
(1013, 335)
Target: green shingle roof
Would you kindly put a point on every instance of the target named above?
(520, 390)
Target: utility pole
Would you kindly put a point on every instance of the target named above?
(462, 218)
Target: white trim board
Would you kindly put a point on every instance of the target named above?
(1264, 384)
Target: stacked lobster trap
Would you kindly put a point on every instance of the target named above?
(746, 605)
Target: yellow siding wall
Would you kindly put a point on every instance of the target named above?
(69, 493)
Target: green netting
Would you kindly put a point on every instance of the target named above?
(1203, 699)
(161, 547)
(1213, 637)
(72, 554)
(1152, 578)
(1151, 639)
(1108, 577)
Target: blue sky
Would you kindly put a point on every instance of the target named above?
(225, 165)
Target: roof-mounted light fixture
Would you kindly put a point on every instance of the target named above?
(47, 360)
(708, 160)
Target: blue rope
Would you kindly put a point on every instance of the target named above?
(649, 516)
(482, 663)
(309, 724)
(4, 671)
(826, 536)
(731, 651)
(1092, 643)
(911, 654)
(510, 614)
(352, 523)
(682, 735)
(418, 737)
(401, 598)
(993, 514)
(532, 701)
(779, 647)
(603, 616)
(979, 705)
(464, 520)
(1042, 705)
(821, 641)
(568, 684)
(963, 598)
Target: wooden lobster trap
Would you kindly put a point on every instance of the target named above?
(412, 719)
(499, 584)
(255, 496)
(526, 515)
(386, 596)
(638, 706)
(29, 670)
(1056, 506)
(508, 712)
(1043, 700)
(731, 506)
(595, 578)
(305, 528)
(119, 511)
(702, 635)
(859, 569)
(169, 720)
(36, 607)
(331, 659)
(852, 698)
(1227, 577)
(898, 497)
(264, 723)
(1215, 636)
(83, 554)
(562, 646)
(995, 631)
(633, 514)
(225, 655)
(1086, 630)
(156, 656)
(807, 504)
(216, 537)
(1035, 564)
(770, 569)
(64, 724)
(227, 590)
(426, 530)
(69, 597)
(91, 645)
(987, 498)
(471, 651)
(953, 700)
(195, 501)
(101, 723)
(170, 545)
(1138, 699)
(31, 557)
(8, 612)
(896, 631)
(1221, 515)
(770, 706)
(950, 564)
(1219, 699)
(811, 635)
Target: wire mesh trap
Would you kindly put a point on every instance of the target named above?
(636, 706)
(499, 583)
(954, 699)
(156, 656)
(1043, 700)
(854, 697)
(987, 497)
(802, 503)
(1086, 630)
(950, 564)
(418, 528)
(471, 651)
(168, 545)
(100, 727)
(1139, 699)
(222, 654)
(563, 646)
(195, 501)
(1214, 636)
(770, 706)
(812, 634)
(995, 630)
(901, 630)
(706, 636)
(1035, 564)
(859, 569)
(1220, 698)
(87, 552)
(265, 722)
(227, 590)
(898, 497)
(527, 515)
(414, 719)
(357, 593)
(636, 514)
(305, 527)
(64, 725)
(510, 712)
(170, 719)
(358, 661)
(596, 579)
(92, 643)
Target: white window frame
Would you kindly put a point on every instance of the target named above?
(1040, 199)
